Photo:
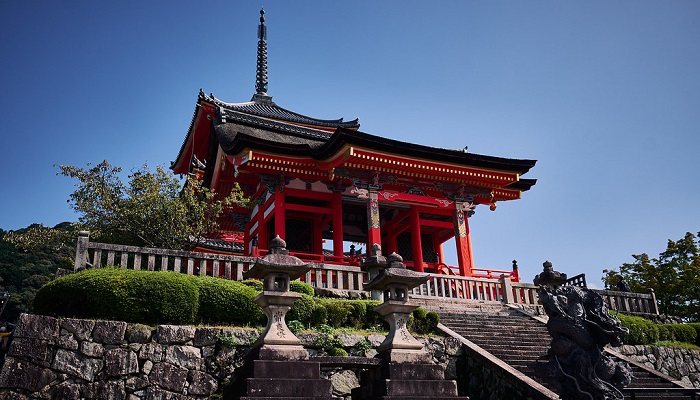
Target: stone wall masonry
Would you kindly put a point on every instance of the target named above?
(67, 358)
(680, 364)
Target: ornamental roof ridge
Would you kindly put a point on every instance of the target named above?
(269, 109)
(261, 122)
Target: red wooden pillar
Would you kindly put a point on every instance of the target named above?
(337, 207)
(414, 219)
(317, 244)
(462, 240)
(279, 213)
(373, 233)
(262, 227)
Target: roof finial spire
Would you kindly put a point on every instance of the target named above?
(261, 70)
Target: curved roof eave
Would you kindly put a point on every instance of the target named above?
(343, 136)
(269, 109)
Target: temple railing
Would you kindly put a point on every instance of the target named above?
(339, 277)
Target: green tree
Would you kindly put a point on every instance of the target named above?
(29, 262)
(674, 276)
(151, 209)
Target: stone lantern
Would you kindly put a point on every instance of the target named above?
(276, 270)
(549, 277)
(373, 265)
(395, 281)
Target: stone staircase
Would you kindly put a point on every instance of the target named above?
(522, 342)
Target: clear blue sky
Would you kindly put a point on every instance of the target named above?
(606, 95)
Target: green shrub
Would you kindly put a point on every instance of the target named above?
(682, 333)
(227, 302)
(423, 322)
(664, 332)
(302, 310)
(319, 315)
(120, 294)
(295, 326)
(254, 283)
(642, 331)
(337, 352)
(696, 326)
(374, 320)
(337, 310)
(301, 287)
(363, 346)
(357, 318)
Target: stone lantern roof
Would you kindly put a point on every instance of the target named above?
(396, 273)
(278, 261)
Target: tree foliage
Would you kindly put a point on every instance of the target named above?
(151, 209)
(26, 265)
(674, 276)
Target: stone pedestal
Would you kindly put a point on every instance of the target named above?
(407, 370)
(277, 342)
(278, 366)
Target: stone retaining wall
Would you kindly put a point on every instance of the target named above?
(68, 358)
(681, 364)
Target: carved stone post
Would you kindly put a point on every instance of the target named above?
(507, 288)
(373, 265)
(276, 269)
(81, 251)
(395, 281)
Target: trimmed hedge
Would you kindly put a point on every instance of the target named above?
(227, 302)
(165, 297)
(121, 294)
(294, 286)
(149, 297)
(644, 331)
(422, 321)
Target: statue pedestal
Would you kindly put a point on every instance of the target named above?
(397, 314)
(277, 342)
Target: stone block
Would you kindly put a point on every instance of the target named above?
(65, 390)
(421, 388)
(25, 375)
(68, 342)
(134, 383)
(168, 377)
(147, 367)
(159, 394)
(187, 357)
(109, 332)
(92, 349)
(80, 328)
(76, 365)
(343, 382)
(240, 335)
(205, 336)
(376, 339)
(201, 384)
(36, 350)
(152, 351)
(138, 333)
(108, 390)
(120, 362)
(10, 395)
(37, 327)
(349, 340)
(174, 334)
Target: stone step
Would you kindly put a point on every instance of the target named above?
(287, 369)
(278, 387)
(427, 388)
(423, 398)
(417, 372)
